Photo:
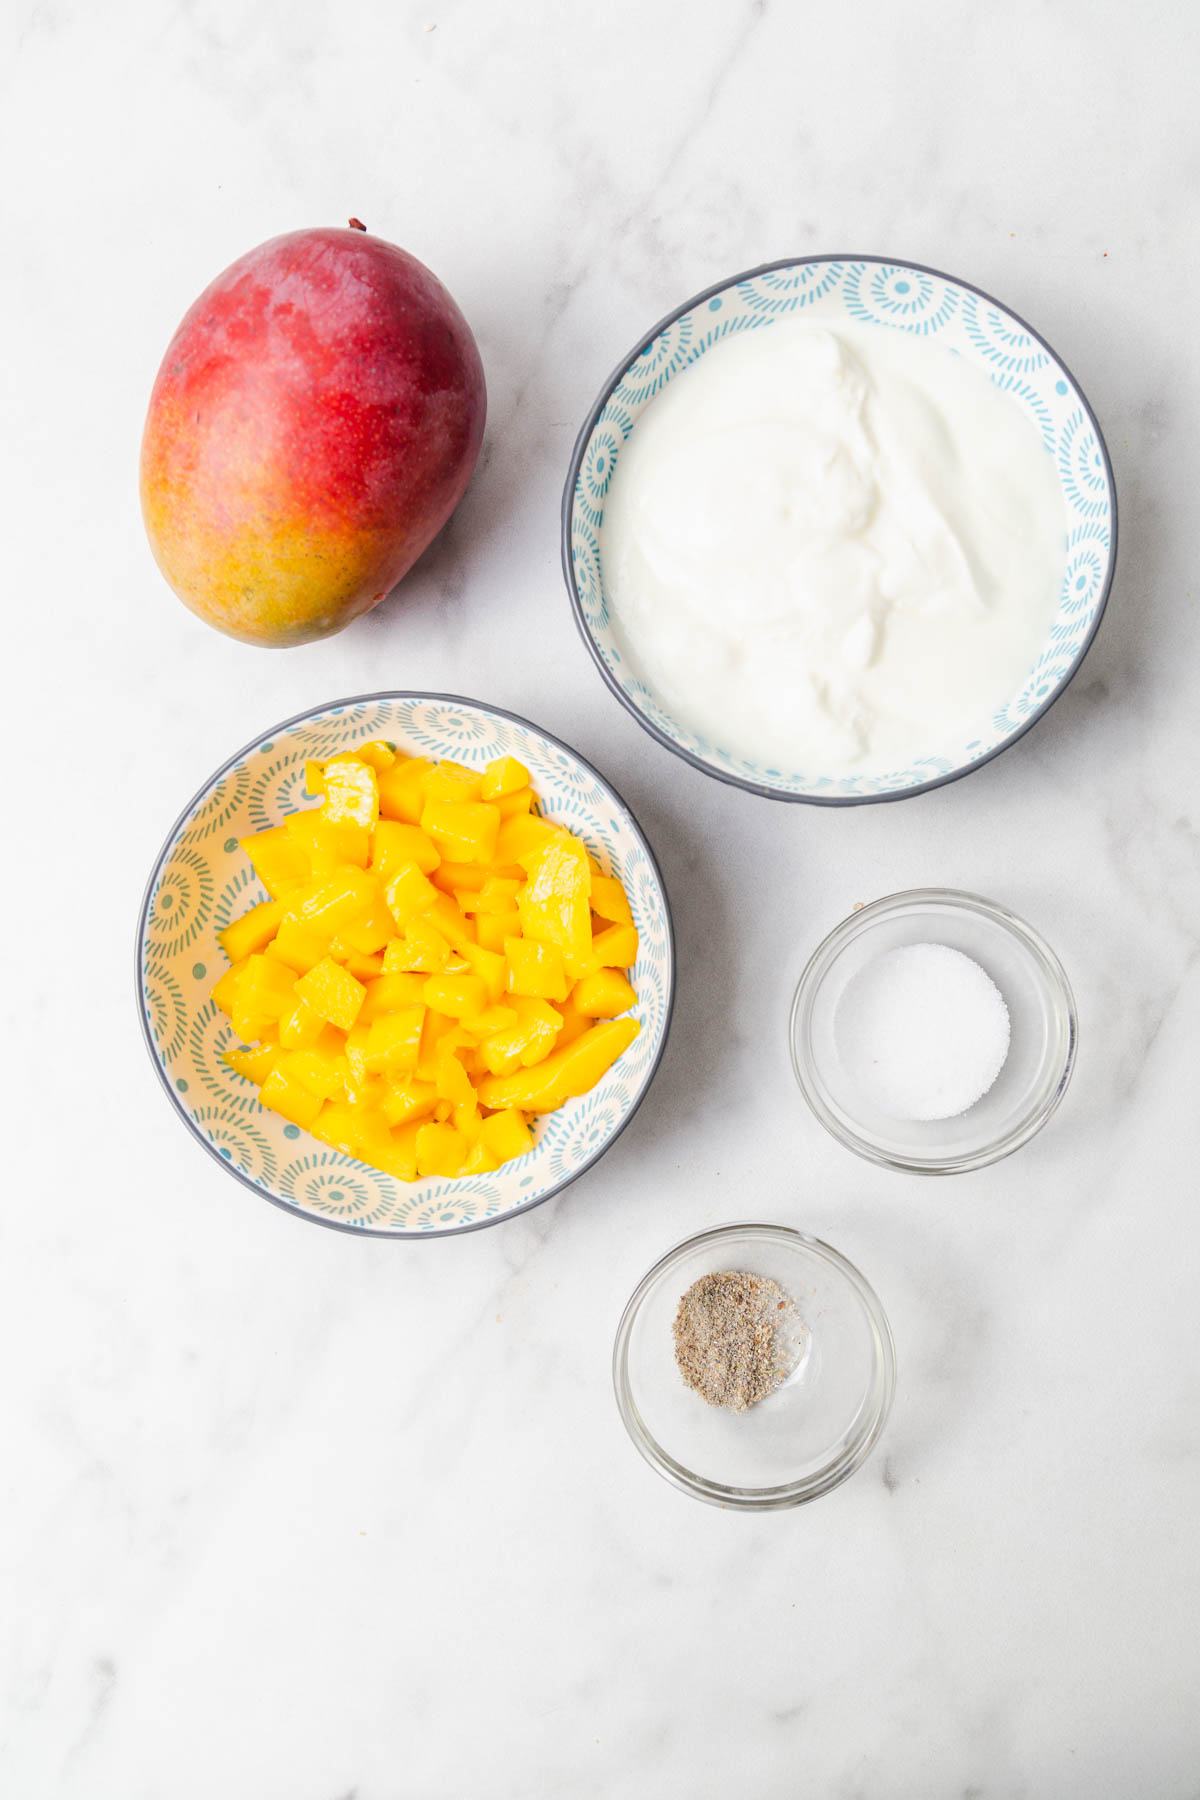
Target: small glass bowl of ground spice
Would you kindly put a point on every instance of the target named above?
(754, 1367)
(933, 1032)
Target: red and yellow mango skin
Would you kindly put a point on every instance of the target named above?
(313, 425)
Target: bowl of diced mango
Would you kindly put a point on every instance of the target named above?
(405, 965)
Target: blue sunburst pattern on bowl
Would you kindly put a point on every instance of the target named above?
(891, 297)
(202, 880)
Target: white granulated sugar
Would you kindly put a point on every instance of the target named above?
(922, 1031)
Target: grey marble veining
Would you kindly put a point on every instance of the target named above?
(293, 1517)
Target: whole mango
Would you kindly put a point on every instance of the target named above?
(313, 425)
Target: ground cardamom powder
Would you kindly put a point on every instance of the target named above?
(726, 1339)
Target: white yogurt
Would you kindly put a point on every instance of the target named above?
(833, 552)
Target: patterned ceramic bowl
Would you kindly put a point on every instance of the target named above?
(892, 297)
(201, 880)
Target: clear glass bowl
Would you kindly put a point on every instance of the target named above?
(814, 1430)
(1042, 1047)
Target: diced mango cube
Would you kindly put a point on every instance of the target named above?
(266, 986)
(436, 1027)
(490, 1020)
(299, 946)
(357, 1039)
(554, 903)
(341, 1126)
(495, 894)
(394, 1041)
(401, 789)
(389, 993)
(450, 1075)
(467, 1118)
(455, 995)
(408, 1099)
(252, 1027)
(289, 1098)
(395, 1152)
(253, 931)
(574, 1023)
(321, 1071)
(462, 879)
(480, 1160)
(252, 1065)
(511, 805)
(602, 995)
(615, 948)
(503, 776)
(535, 969)
(491, 968)
(526, 1042)
(421, 948)
(333, 992)
(522, 836)
(379, 753)
(300, 1026)
(351, 793)
(366, 1096)
(332, 901)
(441, 1150)
(329, 846)
(451, 921)
(370, 933)
(453, 781)
(609, 900)
(463, 830)
(409, 892)
(225, 991)
(394, 845)
(506, 1134)
(540, 1023)
(280, 863)
(362, 966)
(493, 928)
(314, 777)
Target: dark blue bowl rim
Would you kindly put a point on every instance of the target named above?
(301, 718)
(568, 500)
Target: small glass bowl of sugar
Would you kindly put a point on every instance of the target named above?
(933, 1031)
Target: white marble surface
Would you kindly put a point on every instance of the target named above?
(289, 1516)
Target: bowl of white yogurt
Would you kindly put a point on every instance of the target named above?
(839, 530)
